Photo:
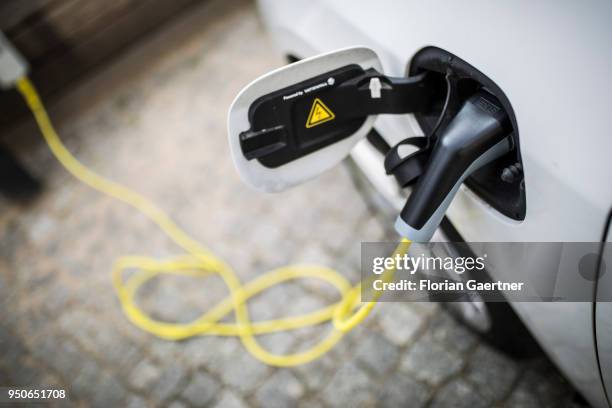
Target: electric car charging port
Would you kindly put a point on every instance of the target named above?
(500, 183)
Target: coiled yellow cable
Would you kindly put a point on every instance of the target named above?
(200, 262)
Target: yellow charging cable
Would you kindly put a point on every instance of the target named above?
(200, 262)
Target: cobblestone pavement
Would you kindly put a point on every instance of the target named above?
(155, 120)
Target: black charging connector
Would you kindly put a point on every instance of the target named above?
(477, 135)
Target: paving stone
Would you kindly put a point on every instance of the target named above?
(210, 351)
(458, 394)
(166, 351)
(177, 404)
(446, 330)
(169, 381)
(242, 372)
(314, 254)
(82, 385)
(11, 347)
(144, 375)
(377, 354)
(349, 261)
(40, 228)
(76, 321)
(399, 322)
(135, 401)
(522, 397)
(62, 355)
(271, 244)
(6, 292)
(278, 343)
(400, 390)
(282, 301)
(317, 374)
(333, 232)
(350, 387)
(171, 301)
(230, 400)
(492, 374)
(429, 308)
(370, 230)
(34, 320)
(12, 237)
(23, 374)
(282, 389)
(305, 302)
(430, 362)
(310, 403)
(108, 392)
(124, 355)
(100, 338)
(5, 376)
(201, 390)
(50, 380)
(309, 337)
(57, 299)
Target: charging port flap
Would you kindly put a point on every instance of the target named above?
(285, 128)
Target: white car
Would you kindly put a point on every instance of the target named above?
(549, 63)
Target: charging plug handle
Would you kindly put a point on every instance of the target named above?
(477, 135)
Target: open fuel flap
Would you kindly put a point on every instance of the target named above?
(299, 120)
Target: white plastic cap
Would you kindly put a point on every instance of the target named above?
(12, 65)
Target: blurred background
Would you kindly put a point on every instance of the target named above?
(139, 92)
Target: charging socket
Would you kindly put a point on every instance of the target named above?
(500, 183)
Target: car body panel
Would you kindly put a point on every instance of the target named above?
(603, 313)
(553, 60)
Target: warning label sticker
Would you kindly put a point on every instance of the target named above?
(319, 113)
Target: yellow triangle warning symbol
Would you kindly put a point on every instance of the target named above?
(319, 113)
